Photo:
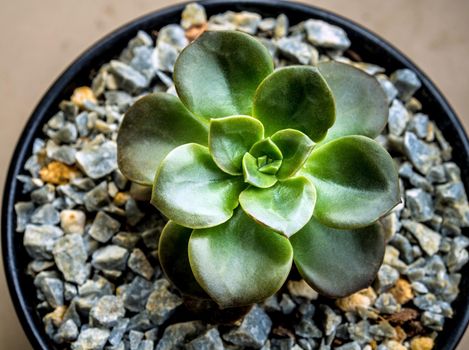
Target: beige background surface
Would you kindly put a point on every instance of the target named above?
(39, 38)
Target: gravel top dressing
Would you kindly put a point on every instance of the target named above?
(93, 241)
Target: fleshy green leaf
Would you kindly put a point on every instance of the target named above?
(286, 207)
(295, 147)
(295, 97)
(360, 102)
(152, 127)
(174, 259)
(337, 263)
(253, 176)
(217, 75)
(266, 147)
(192, 191)
(239, 262)
(356, 182)
(271, 168)
(230, 138)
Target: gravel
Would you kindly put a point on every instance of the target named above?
(93, 239)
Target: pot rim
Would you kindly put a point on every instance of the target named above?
(115, 41)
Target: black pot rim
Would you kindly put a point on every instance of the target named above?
(32, 325)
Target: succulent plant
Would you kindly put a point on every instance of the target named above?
(257, 168)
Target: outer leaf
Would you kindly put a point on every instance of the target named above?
(285, 207)
(152, 127)
(230, 138)
(190, 189)
(361, 104)
(296, 148)
(174, 259)
(239, 262)
(253, 176)
(295, 97)
(217, 75)
(337, 263)
(356, 181)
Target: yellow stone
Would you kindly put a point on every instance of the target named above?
(402, 291)
(56, 316)
(394, 345)
(121, 198)
(360, 300)
(422, 343)
(83, 94)
(58, 173)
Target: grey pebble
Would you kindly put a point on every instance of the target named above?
(406, 82)
(45, 215)
(104, 227)
(428, 239)
(210, 340)
(176, 335)
(98, 160)
(398, 118)
(331, 320)
(422, 155)
(108, 311)
(253, 331)
(110, 257)
(127, 78)
(39, 240)
(162, 302)
(136, 294)
(24, 211)
(51, 287)
(97, 198)
(91, 339)
(139, 264)
(70, 256)
(420, 204)
(323, 34)
(118, 331)
(193, 15)
(67, 332)
(297, 51)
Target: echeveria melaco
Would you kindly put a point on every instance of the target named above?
(258, 168)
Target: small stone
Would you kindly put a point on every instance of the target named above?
(162, 303)
(253, 331)
(82, 94)
(437, 174)
(139, 264)
(127, 78)
(388, 87)
(398, 118)
(39, 240)
(176, 335)
(244, 21)
(393, 345)
(422, 343)
(97, 197)
(72, 221)
(91, 339)
(118, 331)
(193, 15)
(164, 57)
(127, 240)
(67, 332)
(108, 311)
(428, 239)
(173, 35)
(136, 294)
(350, 346)
(97, 287)
(297, 51)
(67, 134)
(45, 215)
(287, 305)
(54, 319)
(267, 24)
(386, 278)
(70, 256)
(387, 304)
(307, 329)
(110, 257)
(402, 291)
(133, 212)
(433, 320)
(323, 34)
(43, 195)
(57, 173)
(458, 256)
(135, 338)
(210, 340)
(146, 345)
(140, 322)
(64, 154)
(420, 125)
(391, 225)
(104, 227)
(51, 287)
(420, 204)
(36, 266)
(98, 160)
(406, 82)
(24, 211)
(301, 289)
(451, 193)
(422, 155)
(363, 299)
(331, 320)
(281, 26)
(192, 34)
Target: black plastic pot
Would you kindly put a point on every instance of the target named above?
(369, 46)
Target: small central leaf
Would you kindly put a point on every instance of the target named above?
(253, 176)
(285, 207)
(268, 148)
(271, 167)
(230, 138)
